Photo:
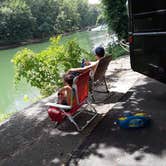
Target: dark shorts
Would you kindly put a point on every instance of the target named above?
(75, 73)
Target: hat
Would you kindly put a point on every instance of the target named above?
(99, 51)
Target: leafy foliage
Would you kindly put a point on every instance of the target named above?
(44, 70)
(116, 16)
(115, 50)
(16, 21)
(28, 19)
(4, 116)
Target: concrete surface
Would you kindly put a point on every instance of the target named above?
(30, 139)
(109, 145)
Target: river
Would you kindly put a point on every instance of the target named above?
(16, 98)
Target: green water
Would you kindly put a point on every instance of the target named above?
(12, 98)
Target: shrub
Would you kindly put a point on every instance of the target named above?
(115, 50)
(116, 17)
(44, 69)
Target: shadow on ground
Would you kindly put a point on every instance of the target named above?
(128, 147)
(30, 139)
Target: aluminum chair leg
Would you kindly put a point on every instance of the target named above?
(56, 124)
(75, 124)
(92, 96)
(106, 85)
(93, 108)
(71, 118)
(106, 90)
(92, 112)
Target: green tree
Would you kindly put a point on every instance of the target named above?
(16, 22)
(29, 19)
(44, 69)
(93, 13)
(116, 16)
(45, 12)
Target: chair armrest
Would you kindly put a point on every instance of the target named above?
(59, 105)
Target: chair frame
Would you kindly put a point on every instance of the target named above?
(76, 110)
(98, 77)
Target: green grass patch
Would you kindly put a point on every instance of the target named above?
(5, 116)
(116, 51)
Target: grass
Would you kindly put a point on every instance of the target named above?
(5, 116)
(116, 51)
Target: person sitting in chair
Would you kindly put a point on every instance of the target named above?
(65, 93)
(99, 53)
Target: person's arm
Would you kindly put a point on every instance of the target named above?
(79, 69)
(91, 63)
(82, 69)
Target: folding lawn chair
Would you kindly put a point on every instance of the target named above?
(98, 78)
(80, 88)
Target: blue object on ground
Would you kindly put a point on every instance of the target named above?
(133, 121)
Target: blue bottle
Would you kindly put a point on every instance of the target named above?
(83, 63)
